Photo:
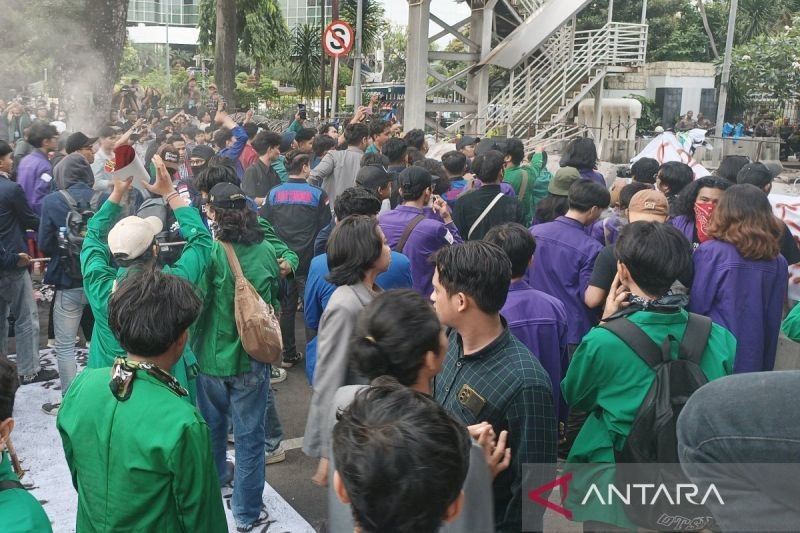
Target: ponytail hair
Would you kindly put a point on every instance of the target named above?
(392, 335)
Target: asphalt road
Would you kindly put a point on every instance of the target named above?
(292, 478)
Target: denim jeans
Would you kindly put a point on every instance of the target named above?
(272, 424)
(87, 321)
(753, 420)
(16, 295)
(244, 399)
(67, 314)
(291, 289)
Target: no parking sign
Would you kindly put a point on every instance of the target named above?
(338, 38)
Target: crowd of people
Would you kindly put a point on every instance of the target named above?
(465, 316)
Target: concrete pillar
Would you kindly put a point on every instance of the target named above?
(597, 133)
(419, 12)
(480, 31)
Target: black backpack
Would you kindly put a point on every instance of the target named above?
(653, 437)
(170, 241)
(71, 235)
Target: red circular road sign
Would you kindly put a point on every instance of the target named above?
(338, 38)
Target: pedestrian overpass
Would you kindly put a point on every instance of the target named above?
(545, 66)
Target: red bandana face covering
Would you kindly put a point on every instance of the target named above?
(702, 214)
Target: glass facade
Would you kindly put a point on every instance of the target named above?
(174, 12)
(297, 12)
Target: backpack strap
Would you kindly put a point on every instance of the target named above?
(483, 215)
(636, 339)
(407, 232)
(73, 205)
(233, 261)
(695, 338)
(7, 484)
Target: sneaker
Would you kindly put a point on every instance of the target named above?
(51, 343)
(278, 455)
(263, 518)
(42, 375)
(277, 375)
(51, 408)
(290, 360)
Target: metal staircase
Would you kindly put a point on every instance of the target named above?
(550, 67)
(544, 89)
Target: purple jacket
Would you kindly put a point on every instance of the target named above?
(592, 174)
(539, 321)
(426, 238)
(686, 227)
(562, 265)
(745, 296)
(34, 175)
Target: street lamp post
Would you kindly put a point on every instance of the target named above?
(726, 74)
(357, 59)
(166, 29)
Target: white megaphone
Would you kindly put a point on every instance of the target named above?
(137, 170)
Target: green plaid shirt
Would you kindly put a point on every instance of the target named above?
(518, 399)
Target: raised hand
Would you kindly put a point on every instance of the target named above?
(163, 185)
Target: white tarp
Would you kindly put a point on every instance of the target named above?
(666, 147)
(787, 208)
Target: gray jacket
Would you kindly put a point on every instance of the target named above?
(333, 369)
(477, 515)
(337, 171)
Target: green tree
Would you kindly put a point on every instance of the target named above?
(769, 66)
(394, 45)
(306, 57)
(261, 29)
(676, 26)
(373, 21)
(258, 29)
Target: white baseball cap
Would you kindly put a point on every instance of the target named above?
(132, 236)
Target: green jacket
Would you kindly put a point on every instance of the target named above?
(20, 512)
(215, 338)
(143, 464)
(279, 166)
(609, 381)
(791, 324)
(541, 178)
(516, 176)
(100, 275)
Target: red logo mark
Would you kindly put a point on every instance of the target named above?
(536, 494)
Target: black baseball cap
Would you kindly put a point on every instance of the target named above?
(227, 196)
(466, 140)
(201, 151)
(372, 177)
(755, 174)
(415, 176)
(485, 145)
(78, 140)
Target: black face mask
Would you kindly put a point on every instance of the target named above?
(197, 169)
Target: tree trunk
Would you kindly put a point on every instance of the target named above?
(711, 40)
(225, 52)
(86, 79)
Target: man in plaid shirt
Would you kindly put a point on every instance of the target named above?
(489, 375)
